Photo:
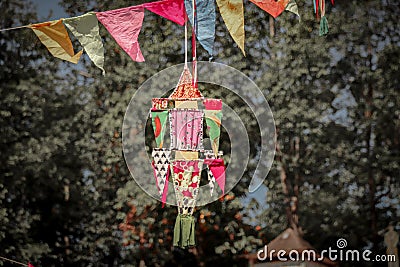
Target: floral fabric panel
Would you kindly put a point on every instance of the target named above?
(186, 178)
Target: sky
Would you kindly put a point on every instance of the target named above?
(44, 7)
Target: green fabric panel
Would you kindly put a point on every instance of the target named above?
(159, 120)
(213, 120)
(184, 231)
(323, 26)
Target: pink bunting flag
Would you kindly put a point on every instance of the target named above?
(124, 25)
(217, 168)
(170, 9)
(30, 265)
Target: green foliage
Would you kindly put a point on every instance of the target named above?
(66, 195)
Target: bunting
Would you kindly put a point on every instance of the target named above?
(54, 36)
(232, 14)
(292, 7)
(124, 25)
(170, 9)
(205, 11)
(273, 7)
(86, 29)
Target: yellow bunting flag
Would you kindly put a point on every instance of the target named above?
(54, 36)
(232, 14)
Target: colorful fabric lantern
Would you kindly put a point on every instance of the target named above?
(185, 157)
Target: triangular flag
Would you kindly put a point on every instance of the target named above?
(292, 7)
(159, 119)
(124, 25)
(169, 9)
(30, 265)
(211, 181)
(54, 36)
(205, 11)
(86, 29)
(217, 167)
(185, 89)
(273, 7)
(232, 14)
(161, 166)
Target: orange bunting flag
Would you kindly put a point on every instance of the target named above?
(54, 36)
(273, 7)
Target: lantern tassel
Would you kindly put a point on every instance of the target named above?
(184, 231)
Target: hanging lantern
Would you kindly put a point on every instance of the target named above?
(184, 159)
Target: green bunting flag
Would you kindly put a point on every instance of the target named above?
(86, 29)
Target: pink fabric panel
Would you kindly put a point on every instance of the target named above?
(169, 9)
(213, 104)
(186, 129)
(197, 132)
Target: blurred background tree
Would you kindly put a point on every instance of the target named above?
(67, 198)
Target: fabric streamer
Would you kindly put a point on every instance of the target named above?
(232, 14)
(205, 22)
(184, 231)
(124, 25)
(213, 121)
(161, 169)
(54, 36)
(159, 121)
(86, 29)
(273, 7)
(292, 7)
(186, 129)
(217, 168)
(170, 9)
(323, 26)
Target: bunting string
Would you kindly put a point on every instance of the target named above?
(13, 261)
(124, 25)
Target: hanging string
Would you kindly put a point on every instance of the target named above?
(186, 40)
(194, 54)
(12, 261)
